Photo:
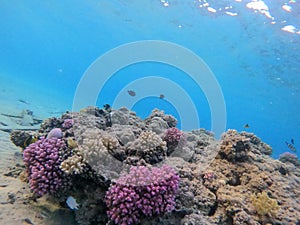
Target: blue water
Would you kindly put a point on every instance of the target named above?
(50, 44)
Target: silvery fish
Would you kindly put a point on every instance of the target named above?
(71, 202)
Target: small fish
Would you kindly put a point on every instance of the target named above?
(292, 141)
(131, 93)
(161, 96)
(291, 146)
(23, 101)
(28, 221)
(246, 125)
(107, 107)
(31, 139)
(71, 202)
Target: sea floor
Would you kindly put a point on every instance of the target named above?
(23, 107)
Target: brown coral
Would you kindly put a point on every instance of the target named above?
(234, 146)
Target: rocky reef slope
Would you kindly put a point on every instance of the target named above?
(85, 154)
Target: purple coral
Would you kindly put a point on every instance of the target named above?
(68, 123)
(42, 161)
(172, 136)
(55, 133)
(142, 192)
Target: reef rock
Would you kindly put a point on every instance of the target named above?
(232, 181)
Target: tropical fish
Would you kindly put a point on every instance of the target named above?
(71, 202)
(107, 107)
(291, 146)
(161, 96)
(292, 141)
(246, 125)
(131, 93)
(29, 140)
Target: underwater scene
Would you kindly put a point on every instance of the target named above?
(180, 112)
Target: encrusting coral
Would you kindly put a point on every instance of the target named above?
(263, 204)
(234, 146)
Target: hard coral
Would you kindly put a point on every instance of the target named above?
(73, 164)
(55, 133)
(263, 204)
(149, 147)
(68, 123)
(234, 146)
(43, 162)
(172, 136)
(142, 192)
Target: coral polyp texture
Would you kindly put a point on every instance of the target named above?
(43, 164)
(263, 204)
(122, 169)
(149, 147)
(142, 192)
(173, 136)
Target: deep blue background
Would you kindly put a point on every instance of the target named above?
(51, 44)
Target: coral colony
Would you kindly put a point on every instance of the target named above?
(43, 165)
(111, 167)
(142, 192)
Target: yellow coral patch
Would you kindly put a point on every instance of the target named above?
(263, 204)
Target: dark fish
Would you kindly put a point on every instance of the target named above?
(246, 125)
(292, 141)
(28, 221)
(291, 146)
(131, 93)
(161, 96)
(23, 101)
(106, 107)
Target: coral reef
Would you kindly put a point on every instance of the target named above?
(149, 147)
(158, 122)
(225, 181)
(289, 158)
(142, 192)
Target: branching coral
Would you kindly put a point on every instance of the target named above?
(110, 142)
(43, 165)
(142, 192)
(73, 164)
(173, 136)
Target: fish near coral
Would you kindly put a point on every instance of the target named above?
(71, 203)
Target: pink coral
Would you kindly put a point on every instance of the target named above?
(68, 123)
(172, 136)
(43, 161)
(142, 192)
